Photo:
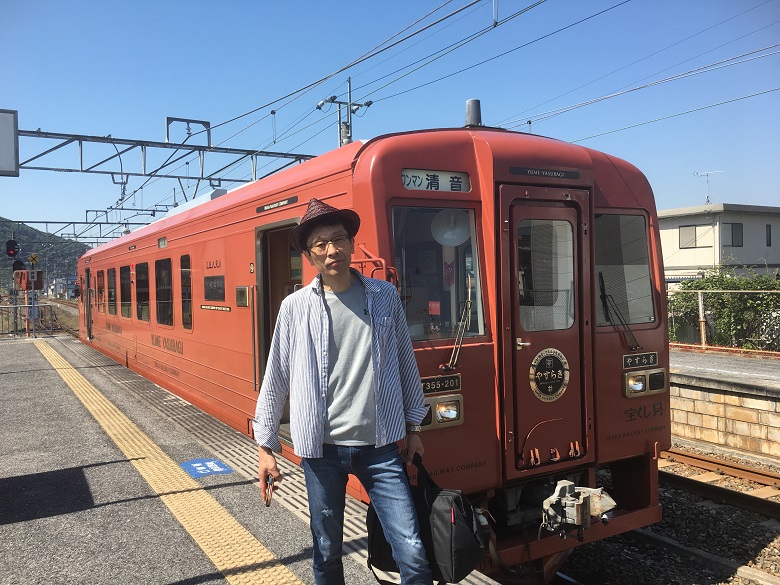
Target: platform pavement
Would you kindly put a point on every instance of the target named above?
(731, 367)
(73, 509)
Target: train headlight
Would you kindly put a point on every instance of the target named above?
(636, 383)
(643, 382)
(447, 411)
(443, 411)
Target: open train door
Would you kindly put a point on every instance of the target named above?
(546, 312)
(279, 274)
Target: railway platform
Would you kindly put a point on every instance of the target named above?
(107, 478)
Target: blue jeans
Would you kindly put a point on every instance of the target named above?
(381, 471)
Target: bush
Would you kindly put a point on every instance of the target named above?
(748, 320)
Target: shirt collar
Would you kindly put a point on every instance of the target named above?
(316, 284)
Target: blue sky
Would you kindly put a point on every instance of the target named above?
(99, 68)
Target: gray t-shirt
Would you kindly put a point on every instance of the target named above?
(351, 403)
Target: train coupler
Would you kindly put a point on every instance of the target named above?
(574, 506)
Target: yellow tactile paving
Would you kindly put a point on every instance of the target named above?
(234, 551)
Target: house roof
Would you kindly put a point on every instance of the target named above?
(718, 208)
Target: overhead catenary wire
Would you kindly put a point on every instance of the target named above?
(378, 49)
(459, 71)
(744, 97)
(731, 61)
(515, 117)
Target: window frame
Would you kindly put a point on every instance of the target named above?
(159, 299)
(111, 298)
(140, 295)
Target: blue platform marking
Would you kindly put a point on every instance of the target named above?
(200, 467)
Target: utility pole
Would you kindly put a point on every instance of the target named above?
(345, 128)
(706, 175)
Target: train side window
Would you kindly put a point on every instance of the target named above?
(623, 261)
(125, 301)
(142, 291)
(545, 271)
(186, 291)
(436, 257)
(112, 291)
(164, 291)
(101, 291)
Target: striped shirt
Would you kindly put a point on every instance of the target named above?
(298, 367)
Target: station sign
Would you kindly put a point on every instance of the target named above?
(9, 143)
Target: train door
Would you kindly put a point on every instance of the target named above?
(88, 295)
(545, 272)
(279, 274)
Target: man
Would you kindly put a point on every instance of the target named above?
(341, 350)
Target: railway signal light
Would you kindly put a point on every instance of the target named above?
(12, 248)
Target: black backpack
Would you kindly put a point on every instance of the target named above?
(455, 534)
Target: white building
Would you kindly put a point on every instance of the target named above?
(697, 239)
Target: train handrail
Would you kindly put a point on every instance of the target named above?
(391, 275)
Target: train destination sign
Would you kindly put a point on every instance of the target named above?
(549, 374)
(640, 360)
(431, 180)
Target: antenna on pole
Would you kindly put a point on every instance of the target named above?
(706, 175)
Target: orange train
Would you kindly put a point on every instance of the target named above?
(531, 275)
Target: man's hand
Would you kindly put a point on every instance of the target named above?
(413, 445)
(266, 465)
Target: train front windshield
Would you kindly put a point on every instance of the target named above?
(437, 262)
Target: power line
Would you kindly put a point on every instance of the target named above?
(486, 60)
(507, 121)
(744, 97)
(705, 69)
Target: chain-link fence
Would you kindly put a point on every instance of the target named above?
(742, 319)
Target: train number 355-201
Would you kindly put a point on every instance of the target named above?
(441, 383)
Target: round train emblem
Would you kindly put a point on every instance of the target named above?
(549, 375)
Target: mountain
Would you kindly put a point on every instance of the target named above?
(57, 256)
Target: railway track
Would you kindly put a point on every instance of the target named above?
(743, 486)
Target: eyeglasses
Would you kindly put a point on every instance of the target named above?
(269, 490)
(321, 246)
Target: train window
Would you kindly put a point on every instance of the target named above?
(437, 261)
(125, 302)
(112, 291)
(142, 291)
(186, 292)
(164, 291)
(101, 291)
(545, 267)
(622, 262)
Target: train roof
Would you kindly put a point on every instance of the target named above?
(503, 144)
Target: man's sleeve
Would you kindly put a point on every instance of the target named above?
(275, 387)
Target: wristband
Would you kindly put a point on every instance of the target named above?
(413, 429)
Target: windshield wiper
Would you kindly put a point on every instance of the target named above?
(463, 325)
(608, 302)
